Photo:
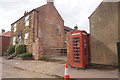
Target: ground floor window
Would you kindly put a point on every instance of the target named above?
(14, 40)
(26, 39)
(19, 39)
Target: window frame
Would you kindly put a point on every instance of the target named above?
(26, 39)
(19, 39)
(58, 29)
(27, 20)
(14, 40)
(14, 27)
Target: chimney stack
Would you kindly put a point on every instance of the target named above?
(2, 31)
(50, 2)
(26, 12)
(76, 27)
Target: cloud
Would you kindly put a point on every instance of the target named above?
(77, 12)
(72, 11)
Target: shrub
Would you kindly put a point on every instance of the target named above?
(10, 50)
(20, 48)
(14, 54)
(5, 54)
(26, 56)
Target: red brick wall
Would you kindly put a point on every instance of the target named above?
(37, 49)
(47, 28)
(48, 20)
(5, 43)
(68, 48)
(0, 45)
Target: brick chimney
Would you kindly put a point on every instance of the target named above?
(76, 27)
(50, 2)
(2, 31)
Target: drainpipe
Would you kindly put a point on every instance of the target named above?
(33, 25)
(37, 22)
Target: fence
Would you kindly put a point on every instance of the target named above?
(55, 51)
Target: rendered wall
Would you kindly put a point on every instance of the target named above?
(104, 34)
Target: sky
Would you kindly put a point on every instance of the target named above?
(74, 12)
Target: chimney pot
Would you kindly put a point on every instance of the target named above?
(50, 1)
(3, 30)
(25, 13)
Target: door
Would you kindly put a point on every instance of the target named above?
(85, 50)
(75, 51)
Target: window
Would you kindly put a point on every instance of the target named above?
(58, 29)
(19, 39)
(26, 38)
(14, 27)
(27, 20)
(14, 40)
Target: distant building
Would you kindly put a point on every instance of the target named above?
(67, 29)
(104, 33)
(4, 41)
(42, 30)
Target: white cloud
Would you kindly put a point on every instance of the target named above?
(72, 11)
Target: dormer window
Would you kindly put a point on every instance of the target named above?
(58, 29)
(14, 27)
(27, 20)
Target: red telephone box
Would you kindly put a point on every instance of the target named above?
(78, 49)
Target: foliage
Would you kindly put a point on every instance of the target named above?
(10, 50)
(26, 55)
(14, 54)
(20, 48)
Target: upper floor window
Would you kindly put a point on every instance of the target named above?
(14, 27)
(19, 39)
(26, 38)
(58, 29)
(27, 20)
(14, 40)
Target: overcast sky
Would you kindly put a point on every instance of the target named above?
(72, 11)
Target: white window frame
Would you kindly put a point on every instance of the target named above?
(19, 39)
(27, 20)
(14, 40)
(14, 27)
(26, 39)
(58, 29)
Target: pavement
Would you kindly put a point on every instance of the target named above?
(15, 72)
(56, 68)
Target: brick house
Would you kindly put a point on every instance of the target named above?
(4, 41)
(41, 29)
(104, 33)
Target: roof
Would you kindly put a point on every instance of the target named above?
(35, 9)
(23, 16)
(67, 28)
(6, 34)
